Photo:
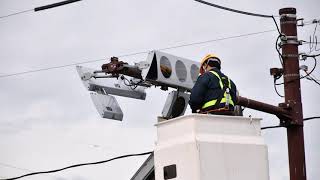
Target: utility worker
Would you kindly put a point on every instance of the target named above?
(213, 91)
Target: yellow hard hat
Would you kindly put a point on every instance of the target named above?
(208, 56)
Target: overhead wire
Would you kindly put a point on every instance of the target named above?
(49, 6)
(16, 13)
(240, 12)
(281, 61)
(309, 74)
(310, 118)
(78, 165)
(314, 38)
(314, 77)
(314, 42)
(14, 167)
(309, 77)
(257, 15)
(277, 126)
(22, 169)
(135, 53)
(314, 55)
(233, 10)
(271, 127)
(275, 88)
(278, 50)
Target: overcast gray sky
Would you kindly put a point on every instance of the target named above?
(48, 120)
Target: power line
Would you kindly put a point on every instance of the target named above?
(313, 56)
(49, 68)
(305, 119)
(271, 127)
(22, 169)
(14, 167)
(136, 53)
(310, 118)
(78, 165)
(49, 6)
(55, 5)
(218, 39)
(234, 10)
(311, 78)
(13, 14)
(240, 12)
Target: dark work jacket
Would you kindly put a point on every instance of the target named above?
(207, 88)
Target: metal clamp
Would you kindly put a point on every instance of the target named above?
(288, 22)
(289, 40)
(290, 55)
(288, 15)
(291, 75)
(285, 38)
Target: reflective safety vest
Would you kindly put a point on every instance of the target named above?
(224, 99)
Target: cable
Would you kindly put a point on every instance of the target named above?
(42, 8)
(310, 118)
(314, 67)
(275, 88)
(14, 167)
(136, 53)
(280, 55)
(218, 39)
(13, 14)
(312, 79)
(22, 169)
(250, 14)
(49, 68)
(240, 12)
(270, 127)
(305, 119)
(55, 5)
(275, 22)
(234, 10)
(77, 165)
(314, 40)
(313, 56)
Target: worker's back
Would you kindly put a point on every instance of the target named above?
(213, 91)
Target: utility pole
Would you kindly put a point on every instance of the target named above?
(289, 112)
(292, 90)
